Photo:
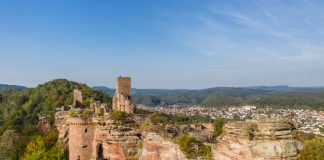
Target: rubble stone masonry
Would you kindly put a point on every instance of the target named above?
(81, 133)
(77, 101)
(122, 99)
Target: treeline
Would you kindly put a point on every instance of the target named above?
(222, 97)
(19, 116)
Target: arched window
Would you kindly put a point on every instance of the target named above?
(85, 130)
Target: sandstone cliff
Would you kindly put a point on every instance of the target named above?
(261, 140)
(115, 140)
(155, 147)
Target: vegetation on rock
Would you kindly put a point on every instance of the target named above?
(194, 148)
(218, 126)
(302, 136)
(250, 131)
(119, 116)
(164, 118)
(313, 149)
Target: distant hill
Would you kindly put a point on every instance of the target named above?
(262, 96)
(284, 88)
(4, 86)
(107, 90)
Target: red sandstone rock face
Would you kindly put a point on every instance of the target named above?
(156, 147)
(118, 140)
(272, 141)
(43, 123)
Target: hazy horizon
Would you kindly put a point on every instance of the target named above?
(134, 87)
(166, 44)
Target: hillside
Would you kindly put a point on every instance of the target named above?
(262, 96)
(6, 86)
(19, 111)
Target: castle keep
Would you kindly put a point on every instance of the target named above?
(95, 136)
(122, 99)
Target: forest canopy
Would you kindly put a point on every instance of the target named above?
(19, 111)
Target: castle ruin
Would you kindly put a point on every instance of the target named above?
(77, 101)
(95, 136)
(122, 99)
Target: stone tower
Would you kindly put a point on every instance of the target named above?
(123, 85)
(77, 98)
(122, 98)
(81, 133)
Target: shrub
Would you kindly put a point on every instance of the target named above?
(145, 125)
(159, 118)
(72, 113)
(250, 130)
(218, 126)
(164, 118)
(140, 145)
(119, 116)
(313, 149)
(141, 111)
(86, 112)
(302, 136)
(194, 148)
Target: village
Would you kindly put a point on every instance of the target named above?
(309, 121)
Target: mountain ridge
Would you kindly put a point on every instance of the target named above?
(18, 87)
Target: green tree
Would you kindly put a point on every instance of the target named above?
(312, 150)
(50, 137)
(9, 145)
(218, 126)
(35, 149)
(194, 148)
(55, 153)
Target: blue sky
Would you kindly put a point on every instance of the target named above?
(163, 44)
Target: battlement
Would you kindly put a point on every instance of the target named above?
(123, 85)
(79, 121)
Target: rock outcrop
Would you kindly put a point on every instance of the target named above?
(115, 140)
(262, 140)
(155, 147)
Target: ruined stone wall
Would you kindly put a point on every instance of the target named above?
(123, 103)
(62, 126)
(99, 107)
(77, 100)
(81, 133)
